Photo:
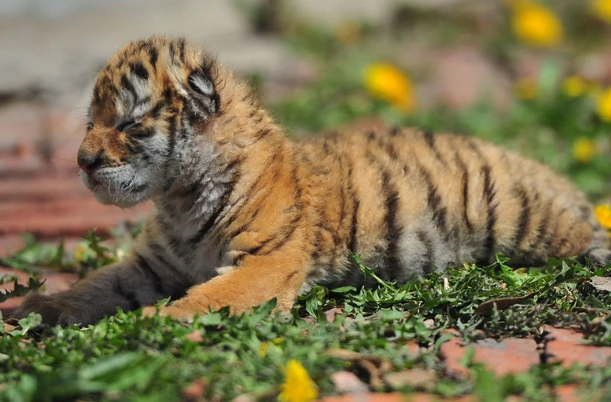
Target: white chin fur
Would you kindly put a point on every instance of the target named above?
(109, 187)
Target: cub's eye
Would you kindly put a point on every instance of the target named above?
(126, 125)
(89, 126)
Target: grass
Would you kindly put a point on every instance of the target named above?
(124, 357)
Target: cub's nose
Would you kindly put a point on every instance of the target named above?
(88, 161)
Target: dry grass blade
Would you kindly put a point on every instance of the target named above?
(502, 303)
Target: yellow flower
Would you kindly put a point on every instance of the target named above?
(584, 149)
(603, 105)
(263, 349)
(79, 253)
(574, 86)
(385, 81)
(602, 9)
(603, 214)
(298, 386)
(535, 24)
(525, 88)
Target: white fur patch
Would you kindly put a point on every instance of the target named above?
(203, 84)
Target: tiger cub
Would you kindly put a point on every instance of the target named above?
(242, 215)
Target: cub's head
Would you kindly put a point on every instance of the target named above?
(150, 104)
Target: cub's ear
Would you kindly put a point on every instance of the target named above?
(206, 99)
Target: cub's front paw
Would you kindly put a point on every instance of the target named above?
(169, 311)
(55, 309)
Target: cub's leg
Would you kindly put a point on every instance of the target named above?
(129, 284)
(258, 280)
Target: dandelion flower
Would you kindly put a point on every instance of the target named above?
(535, 24)
(584, 149)
(525, 88)
(574, 86)
(298, 386)
(386, 82)
(79, 253)
(602, 9)
(603, 105)
(263, 349)
(603, 214)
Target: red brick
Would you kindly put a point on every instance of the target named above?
(568, 347)
(20, 166)
(78, 222)
(512, 355)
(10, 244)
(41, 188)
(396, 397)
(464, 75)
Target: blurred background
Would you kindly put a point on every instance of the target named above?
(532, 75)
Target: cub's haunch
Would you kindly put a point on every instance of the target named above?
(243, 215)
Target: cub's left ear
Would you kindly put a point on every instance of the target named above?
(204, 93)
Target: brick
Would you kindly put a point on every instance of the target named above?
(512, 355)
(396, 397)
(463, 75)
(82, 219)
(10, 244)
(569, 347)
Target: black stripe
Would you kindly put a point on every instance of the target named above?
(242, 201)
(154, 112)
(126, 83)
(172, 123)
(146, 268)
(352, 244)
(433, 199)
(429, 137)
(551, 235)
(465, 191)
(172, 51)
(395, 131)
(158, 251)
(280, 239)
(489, 195)
(429, 251)
(215, 214)
(388, 147)
(262, 133)
(142, 132)
(524, 219)
(181, 49)
(393, 229)
(138, 69)
(153, 56)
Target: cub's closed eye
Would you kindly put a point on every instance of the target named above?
(89, 126)
(127, 125)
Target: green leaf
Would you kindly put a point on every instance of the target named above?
(344, 289)
(211, 319)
